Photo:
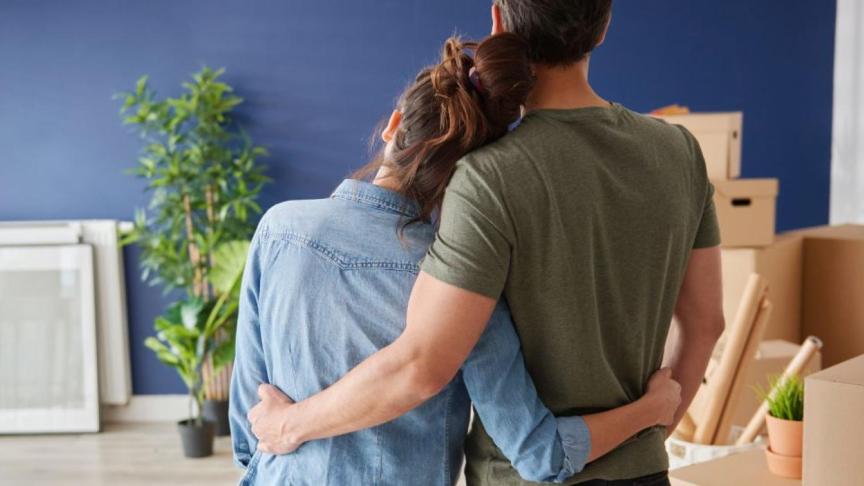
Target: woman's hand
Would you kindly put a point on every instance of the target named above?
(663, 397)
(268, 421)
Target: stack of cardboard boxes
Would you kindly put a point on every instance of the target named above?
(815, 282)
(746, 211)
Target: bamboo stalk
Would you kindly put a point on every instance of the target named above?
(194, 255)
(211, 220)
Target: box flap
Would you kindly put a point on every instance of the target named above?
(849, 372)
(747, 188)
(840, 232)
(707, 122)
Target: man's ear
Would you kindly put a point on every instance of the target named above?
(605, 30)
(392, 126)
(497, 23)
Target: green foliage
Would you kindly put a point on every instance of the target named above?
(787, 401)
(228, 268)
(204, 178)
(185, 333)
(203, 175)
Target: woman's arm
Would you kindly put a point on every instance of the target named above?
(540, 446)
(249, 366)
(657, 407)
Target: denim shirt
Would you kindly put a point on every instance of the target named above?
(327, 285)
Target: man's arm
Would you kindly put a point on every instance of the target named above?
(444, 323)
(699, 315)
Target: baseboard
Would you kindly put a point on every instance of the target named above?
(148, 408)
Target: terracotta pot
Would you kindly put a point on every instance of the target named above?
(785, 466)
(785, 436)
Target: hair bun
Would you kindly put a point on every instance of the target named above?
(450, 75)
(444, 116)
(505, 73)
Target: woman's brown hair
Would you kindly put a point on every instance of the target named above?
(452, 108)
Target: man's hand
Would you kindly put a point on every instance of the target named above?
(267, 421)
(664, 395)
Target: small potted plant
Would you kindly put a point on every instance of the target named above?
(185, 339)
(785, 422)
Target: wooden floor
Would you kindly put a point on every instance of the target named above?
(123, 454)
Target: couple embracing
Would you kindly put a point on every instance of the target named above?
(531, 273)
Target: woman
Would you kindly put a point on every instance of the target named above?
(327, 285)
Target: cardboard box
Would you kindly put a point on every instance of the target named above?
(781, 265)
(745, 469)
(773, 357)
(719, 136)
(833, 429)
(833, 290)
(746, 210)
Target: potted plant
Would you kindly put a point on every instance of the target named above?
(185, 338)
(204, 177)
(785, 422)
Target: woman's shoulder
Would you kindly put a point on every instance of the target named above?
(293, 213)
(348, 231)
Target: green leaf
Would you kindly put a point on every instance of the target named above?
(787, 400)
(155, 345)
(223, 355)
(229, 261)
(190, 313)
(141, 86)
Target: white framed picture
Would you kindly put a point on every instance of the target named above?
(48, 363)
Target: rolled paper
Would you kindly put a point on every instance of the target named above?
(721, 436)
(686, 428)
(721, 380)
(808, 349)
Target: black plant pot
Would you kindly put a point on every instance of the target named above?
(197, 438)
(216, 411)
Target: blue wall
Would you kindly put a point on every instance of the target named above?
(318, 75)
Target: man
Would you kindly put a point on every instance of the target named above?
(597, 225)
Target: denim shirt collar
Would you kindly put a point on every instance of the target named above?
(377, 197)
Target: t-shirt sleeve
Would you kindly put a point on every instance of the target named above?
(474, 240)
(708, 233)
(708, 230)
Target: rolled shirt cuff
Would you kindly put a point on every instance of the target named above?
(576, 441)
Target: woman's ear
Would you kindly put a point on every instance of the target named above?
(392, 126)
(497, 23)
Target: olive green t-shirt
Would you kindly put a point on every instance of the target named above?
(584, 220)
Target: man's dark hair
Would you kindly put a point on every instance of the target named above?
(558, 32)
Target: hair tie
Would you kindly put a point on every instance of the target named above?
(474, 76)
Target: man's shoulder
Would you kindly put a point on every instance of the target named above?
(499, 157)
(663, 131)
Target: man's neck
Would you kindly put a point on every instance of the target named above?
(563, 88)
